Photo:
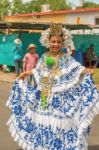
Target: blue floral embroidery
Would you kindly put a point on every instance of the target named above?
(58, 144)
(29, 127)
(38, 94)
(72, 136)
(41, 136)
(18, 110)
(38, 139)
(63, 106)
(56, 102)
(88, 91)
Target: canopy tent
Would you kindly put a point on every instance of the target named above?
(40, 26)
(6, 40)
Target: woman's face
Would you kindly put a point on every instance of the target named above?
(56, 43)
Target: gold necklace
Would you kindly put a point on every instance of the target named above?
(48, 80)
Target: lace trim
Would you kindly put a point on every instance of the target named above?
(17, 136)
(86, 122)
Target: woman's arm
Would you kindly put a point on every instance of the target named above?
(24, 74)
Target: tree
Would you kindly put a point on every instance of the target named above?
(90, 5)
(35, 5)
(59, 5)
(18, 7)
(4, 8)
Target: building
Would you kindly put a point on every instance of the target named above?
(88, 16)
(78, 16)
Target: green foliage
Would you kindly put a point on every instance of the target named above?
(96, 76)
(58, 5)
(35, 5)
(4, 8)
(90, 5)
(18, 7)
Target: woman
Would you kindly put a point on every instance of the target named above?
(58, 113)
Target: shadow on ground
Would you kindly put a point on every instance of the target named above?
(92, 147)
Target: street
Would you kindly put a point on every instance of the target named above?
(6, 141)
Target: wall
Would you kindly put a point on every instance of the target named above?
(85, 18)
(44, 18)
(70, 18)
(20, 19)
(6, 48)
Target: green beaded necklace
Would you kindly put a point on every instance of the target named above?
(50, 61)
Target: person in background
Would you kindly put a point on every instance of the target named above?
(18, 56)
(29, 62)
(89, 55)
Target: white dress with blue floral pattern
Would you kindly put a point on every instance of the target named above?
(65, 123)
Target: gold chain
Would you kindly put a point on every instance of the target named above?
(47, 82)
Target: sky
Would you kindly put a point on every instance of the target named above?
(77, 2)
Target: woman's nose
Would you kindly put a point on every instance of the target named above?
(56, 43)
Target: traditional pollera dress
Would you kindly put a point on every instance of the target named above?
(71, 105)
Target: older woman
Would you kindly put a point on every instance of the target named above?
(57, 114)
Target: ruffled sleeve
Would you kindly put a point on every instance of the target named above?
(89, 108)
(90, 99)
(37, 72)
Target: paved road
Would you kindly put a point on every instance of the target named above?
(6, 142)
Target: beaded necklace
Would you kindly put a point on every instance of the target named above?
(48, 78)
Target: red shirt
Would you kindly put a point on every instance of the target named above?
(30, 61)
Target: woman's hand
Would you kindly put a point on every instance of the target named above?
(21, 76)
(24, 74)
(88, 71)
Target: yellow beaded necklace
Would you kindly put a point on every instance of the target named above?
(48, 80)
